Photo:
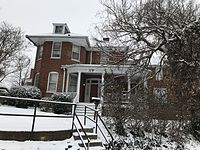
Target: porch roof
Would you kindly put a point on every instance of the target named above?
(96, 68)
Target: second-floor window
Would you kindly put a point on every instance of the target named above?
(40, 52)
(76, 52)
(56, 50)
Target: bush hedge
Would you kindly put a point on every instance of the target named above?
(25, 92)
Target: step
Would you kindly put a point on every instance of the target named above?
(92, 143)
(94, 148)
(87, 130)
(90, 135)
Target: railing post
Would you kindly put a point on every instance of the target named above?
(74, 112)
(85, 116)
(33, 124)
(96, 121)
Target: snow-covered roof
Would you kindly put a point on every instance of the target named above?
(77, 39)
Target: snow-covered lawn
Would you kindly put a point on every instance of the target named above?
(13, 123)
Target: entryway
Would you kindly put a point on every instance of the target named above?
(92, 89)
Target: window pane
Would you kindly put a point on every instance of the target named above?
(53, 77)
(73, 82)
(59, 29)
(56, 49)
(76, 52)
(36, 82)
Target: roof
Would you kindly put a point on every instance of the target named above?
(77, 39)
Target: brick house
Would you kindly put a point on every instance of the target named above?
(65, 62)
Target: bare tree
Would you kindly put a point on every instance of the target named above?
(169, 29)
(22, 65)
(12, 42)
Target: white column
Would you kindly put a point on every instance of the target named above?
(64, 81)
(129, 86)
(78, 86)
(67, 84)
(102, 86)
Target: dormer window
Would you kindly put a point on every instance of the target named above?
(59, 29)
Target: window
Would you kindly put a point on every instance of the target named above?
(76, 52)
(36, 80)
(58, 29)
(56, 50)
(159, 73)
(160, 93)
(52, 82)
(73, 82)
(40, 52)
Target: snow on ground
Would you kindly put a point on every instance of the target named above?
(38, 145)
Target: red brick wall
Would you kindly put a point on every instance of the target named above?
(47, 64)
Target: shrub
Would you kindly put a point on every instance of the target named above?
(62, 97)
(25, 92)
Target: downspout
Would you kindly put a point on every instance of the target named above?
(63, 84)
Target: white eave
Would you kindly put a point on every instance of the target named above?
(70, 37)
(96, 68)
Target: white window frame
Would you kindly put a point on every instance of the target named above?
(160, 93)
(37, 74)
(159, 73)
(53, 50)
(79, 52)
(48, 91)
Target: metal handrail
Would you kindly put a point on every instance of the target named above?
(37, 101)
(96, 113)
(88, 145)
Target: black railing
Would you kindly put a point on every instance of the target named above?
(97, 118)
(82, 129)
(36, 102)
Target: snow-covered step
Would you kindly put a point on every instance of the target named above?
(80, 109)
(93, 142)
(94, 148)
(90, 135)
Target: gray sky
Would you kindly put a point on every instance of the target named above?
(37, 16)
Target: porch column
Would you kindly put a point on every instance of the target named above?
(78, 86)
(67, 84)
(129, 86)
(102, 86)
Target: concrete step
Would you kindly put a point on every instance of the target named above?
(93, 143)
(87, 130)
(94, 148)
(90, 135)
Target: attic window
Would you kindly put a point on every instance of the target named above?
(58, 29)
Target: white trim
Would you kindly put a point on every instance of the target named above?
(90, 57)
(47, 90)
(52, 49)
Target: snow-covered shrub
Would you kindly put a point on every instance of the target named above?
(62, 97)
(47, 107)
(25, 92)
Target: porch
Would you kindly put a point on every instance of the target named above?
(87, 80)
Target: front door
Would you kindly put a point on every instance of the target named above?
(92, 89)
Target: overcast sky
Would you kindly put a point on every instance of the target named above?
(37, 16)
